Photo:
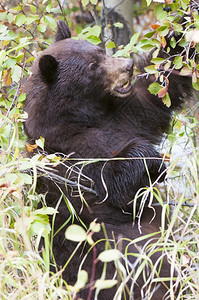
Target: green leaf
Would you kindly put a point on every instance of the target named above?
(75, 233)
(10, 17)
(20, 19)
(156, 53)
(44, 211)
(2, 56)
(155, 42)
(10, 63)
(94, 2)
(167, 65)
(27, 179)
(25, 164)
(40, 142)
(134, 39)
(82, 278)
(7, 36)
(149, 34)
(110, 45)
(3, 28)
(158, 60)
(21, 97)
(51, 21)
(39, 227)
(118, 25)
(105, 284)
(16, 73)
(182, 43)
(95, 227)
(85, 2)
(196, 85)
(151, 69)
(166, 100)
(148, 2)
(163, 30)
(109, 255)
(154, 88)
(33, 8)
(3, 16)
(95, 30)
(173, 42)
(11, 178)
(160, 13)
(49, 7)
(147, 47)
(94, 40)
(42, 27)
(30, 19)
(177, 27)
(178, 62)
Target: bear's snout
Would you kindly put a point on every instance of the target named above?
(119, 72)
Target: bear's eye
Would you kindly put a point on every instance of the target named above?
(92, 66)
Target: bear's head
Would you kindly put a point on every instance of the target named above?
(82, 66)
(72, 76)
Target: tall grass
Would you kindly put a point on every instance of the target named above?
(24, 272)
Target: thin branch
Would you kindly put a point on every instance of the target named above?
(173, 203)
(64, 180)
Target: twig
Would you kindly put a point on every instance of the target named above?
(173, 203)
(92, 272)
(61, 8)
(68, 181)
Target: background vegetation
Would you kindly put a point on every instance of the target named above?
(26, 28)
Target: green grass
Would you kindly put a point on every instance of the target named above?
(24, 273)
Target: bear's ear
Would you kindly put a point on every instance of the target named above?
(48, 67)
(63, 31)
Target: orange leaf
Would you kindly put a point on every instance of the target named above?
(162, 92)
(155, 26)
(31, 148)
(7, 77)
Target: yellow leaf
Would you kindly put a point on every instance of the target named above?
(163, 42)
(155, 26)
(7, 77)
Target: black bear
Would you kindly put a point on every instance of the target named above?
(84, 105)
